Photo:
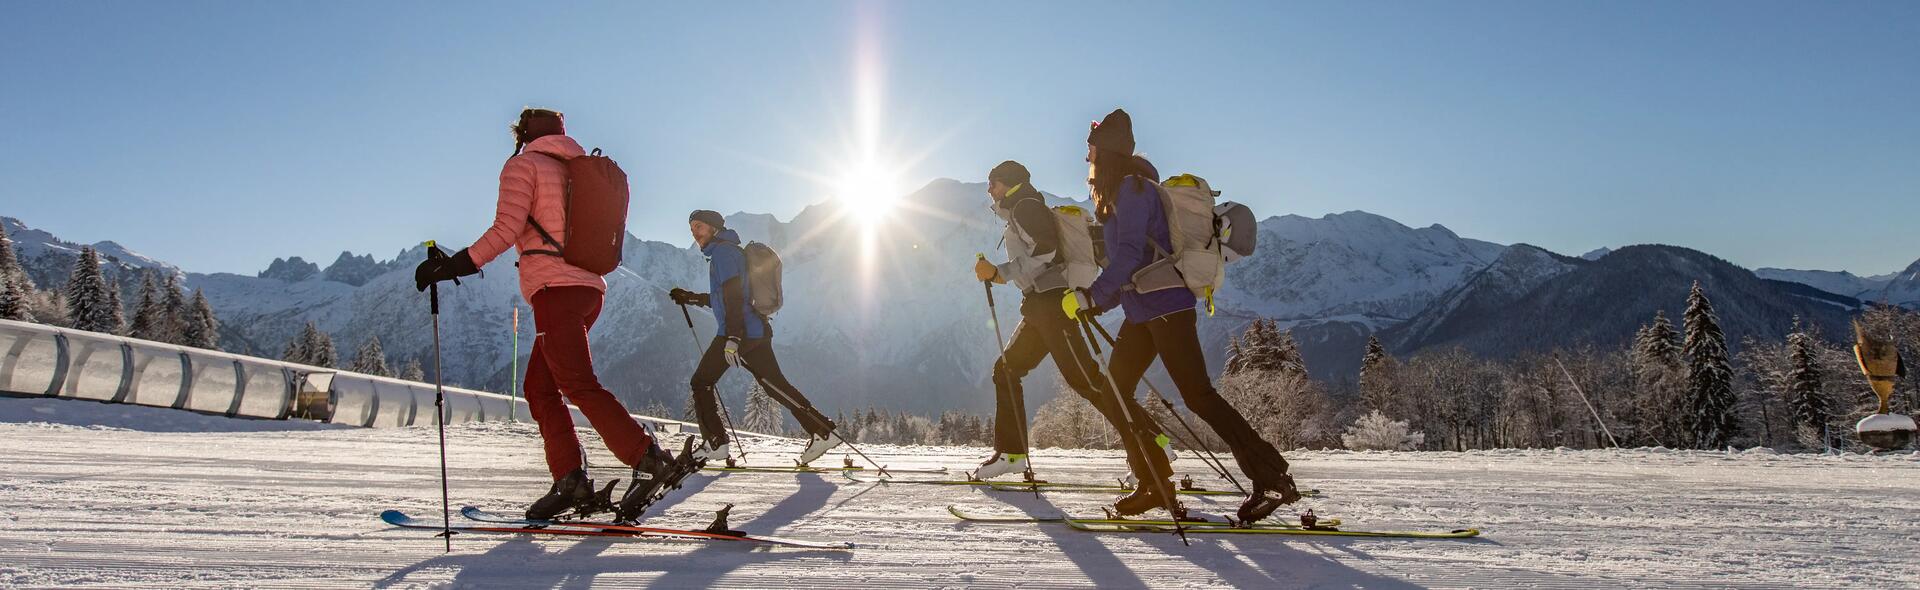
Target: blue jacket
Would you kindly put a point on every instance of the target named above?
(730, 298)
(1137, 217)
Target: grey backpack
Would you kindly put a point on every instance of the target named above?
(763, 279)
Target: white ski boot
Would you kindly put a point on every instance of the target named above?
(818, 446)
(1001, 464)
(715, 454)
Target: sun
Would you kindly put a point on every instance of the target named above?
(869, 190)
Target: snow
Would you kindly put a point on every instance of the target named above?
(1885, 423)
(277, 508)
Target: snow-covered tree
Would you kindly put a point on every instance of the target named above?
(412, 372)
(1272, 389)
(116, 309)
(1376, 378)
(763, 415)
(1376, 432)
(148, 316)
(10, 269)
(89, 304)
(172, 299)
(1659, 406)
(370, 359)
(201, 329)
(1806, 394)
(14, 301)
(1709, 376)
(311, 347)
(1069, 421)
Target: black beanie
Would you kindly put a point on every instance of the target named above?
(712, 218)
(1114, 133)
(1009, 173)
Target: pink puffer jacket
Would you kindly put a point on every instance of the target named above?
(536, 183)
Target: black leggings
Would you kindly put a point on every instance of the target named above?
(1175, 341)
(757, 355)
(1045, 331)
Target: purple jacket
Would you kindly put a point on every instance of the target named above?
(1137, 217)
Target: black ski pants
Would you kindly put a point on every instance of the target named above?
(1174, 339)
(1044, 331)
(756, 355)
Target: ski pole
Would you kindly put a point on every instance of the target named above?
(999, 365)
(440, 400)
(1159, 480)
(726, 415)
(791, 401)
(1215, 463)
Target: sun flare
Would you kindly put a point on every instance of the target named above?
(869, 190)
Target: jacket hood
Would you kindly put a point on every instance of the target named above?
(556, 145)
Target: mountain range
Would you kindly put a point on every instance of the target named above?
(889, 315)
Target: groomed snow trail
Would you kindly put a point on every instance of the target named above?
(284, 505)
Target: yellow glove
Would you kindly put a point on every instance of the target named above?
(984, 270)
(1075, 302)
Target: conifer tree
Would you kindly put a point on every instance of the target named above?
(412, 371)
(172, 299)
(762, 415)
(13, 301)
(149, 317)
(87, 301)
(1806, 393)
(370, 359)
(201, 329)
(1376, 378)
(1709, 376)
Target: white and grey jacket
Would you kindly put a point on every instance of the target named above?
(1032, 240)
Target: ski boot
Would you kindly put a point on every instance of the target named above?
(572, 495)
(723, 451)
(663, 473)
(1265, 500)
(1000, 464)
(818, 446)
(1143, 499)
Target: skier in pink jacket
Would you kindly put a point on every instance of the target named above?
(566, 301)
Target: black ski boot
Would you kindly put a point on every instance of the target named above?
(662, 472)
(568, 494)
(1266, 499)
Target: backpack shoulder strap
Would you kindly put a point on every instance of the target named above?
(558, 249)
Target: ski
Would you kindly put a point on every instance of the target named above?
(963, 515)
(1022, 486)
(605, 530)
(718, 531)
(1324, 531)
(809, 469)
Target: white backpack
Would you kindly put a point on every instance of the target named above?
(1076, 253)
(1205, 237)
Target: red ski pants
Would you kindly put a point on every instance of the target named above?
(560, 370)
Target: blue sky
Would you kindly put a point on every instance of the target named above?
(219, 135)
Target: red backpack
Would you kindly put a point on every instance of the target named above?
(596, 214)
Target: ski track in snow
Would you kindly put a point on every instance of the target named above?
(283, 505)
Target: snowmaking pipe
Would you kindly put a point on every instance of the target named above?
(999, 365)
(726, 415)
(1159, 479)
(440, 400)
(1213, 461)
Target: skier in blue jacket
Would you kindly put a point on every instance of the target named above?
(745, 338)
(1162, 323)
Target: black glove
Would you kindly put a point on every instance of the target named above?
(438, 268)
(685, 297)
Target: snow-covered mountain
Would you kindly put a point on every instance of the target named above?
(1536, 301)
(891, 316)
(1901, 288)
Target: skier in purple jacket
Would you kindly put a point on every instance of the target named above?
(1162, 323)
